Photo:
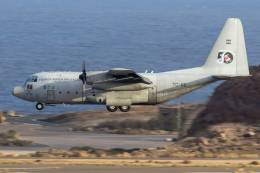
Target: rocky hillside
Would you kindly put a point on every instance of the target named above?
(235, 101)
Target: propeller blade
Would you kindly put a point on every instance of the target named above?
(83, 75)
(83, 67)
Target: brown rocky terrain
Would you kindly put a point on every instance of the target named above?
(161, 119)
(12, 138)
(230, 120)
(93, 118)
(235, 101)
(2, 117)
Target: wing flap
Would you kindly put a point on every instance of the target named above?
(124, 75)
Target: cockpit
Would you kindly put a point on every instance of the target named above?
(32, 79)
(29, 80)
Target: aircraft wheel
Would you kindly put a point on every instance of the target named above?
(124, 108)
(112, 108)
(39, 106)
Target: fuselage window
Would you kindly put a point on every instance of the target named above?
(68, 92)
(60, 92)
(77, 92)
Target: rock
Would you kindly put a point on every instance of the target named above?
(124, 155)
(254, 163)
(168, 139)
(214, 141)
(204, 141)
(223, 136)
(2, 117)
(151, 149)
(80, 154)
(11, 113)
(202, 149)
(249, 134)
(186, 162)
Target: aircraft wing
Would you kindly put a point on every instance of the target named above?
(122, 75)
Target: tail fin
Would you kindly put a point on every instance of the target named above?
(228, 57)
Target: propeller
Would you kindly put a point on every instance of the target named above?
(83, 75)
(83, 78)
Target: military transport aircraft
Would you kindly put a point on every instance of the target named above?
(119, 88)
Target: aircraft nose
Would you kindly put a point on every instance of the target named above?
(18, 91)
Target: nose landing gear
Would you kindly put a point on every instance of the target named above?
(115, 108)
(39, 106)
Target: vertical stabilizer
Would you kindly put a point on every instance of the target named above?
(228, 56)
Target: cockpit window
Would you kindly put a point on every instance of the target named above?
(31, 79)
(34, 78)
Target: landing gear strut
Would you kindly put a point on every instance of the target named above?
(124, 108)
(112, 108)
(39, 106)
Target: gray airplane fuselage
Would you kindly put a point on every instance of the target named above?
(65, 87)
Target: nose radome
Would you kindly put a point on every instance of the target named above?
(18, 91)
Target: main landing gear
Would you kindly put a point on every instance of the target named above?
(39, 106)
(121, 108)
(124, 108)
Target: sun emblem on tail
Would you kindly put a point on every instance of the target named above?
(225, 57)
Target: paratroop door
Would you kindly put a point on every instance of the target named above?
(51, 95)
